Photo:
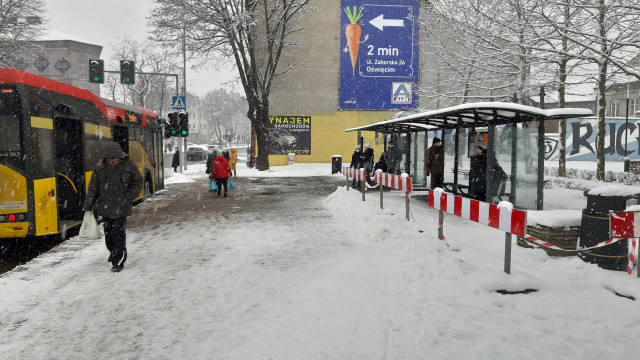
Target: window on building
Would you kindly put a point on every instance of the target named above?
(633, 107)
(615, 108)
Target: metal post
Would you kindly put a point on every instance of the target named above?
(626, 121)
(380, 186)
(183, 155)
(406, 195)
(347, 176)
(441, 225)
(507, 253)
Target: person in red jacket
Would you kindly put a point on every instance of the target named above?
(220, 173)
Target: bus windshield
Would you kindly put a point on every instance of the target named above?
(10, 137)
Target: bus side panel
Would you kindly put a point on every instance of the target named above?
(139, 156)
(13, 199)
(46, 207)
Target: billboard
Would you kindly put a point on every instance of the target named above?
(581, 140)
(289, 134)
(379, 57)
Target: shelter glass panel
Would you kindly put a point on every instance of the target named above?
(418, 178)
(501, 171)
(449, 154)
(526, 185)
(464, 161)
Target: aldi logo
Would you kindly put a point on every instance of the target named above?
(401, 93)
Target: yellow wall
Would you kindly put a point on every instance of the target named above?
(328, 137)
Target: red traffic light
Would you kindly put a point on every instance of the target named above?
(184, 124)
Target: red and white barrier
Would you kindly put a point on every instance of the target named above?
(398, 182)
(625, 224)
(357, 174)
(545, 244)
(502, 218)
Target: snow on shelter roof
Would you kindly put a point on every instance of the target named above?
(471, 115)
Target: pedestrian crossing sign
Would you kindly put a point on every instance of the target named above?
(179, 103)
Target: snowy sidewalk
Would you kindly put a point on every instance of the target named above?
(294, 272)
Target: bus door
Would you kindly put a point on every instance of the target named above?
(70, 181)
(121, 136)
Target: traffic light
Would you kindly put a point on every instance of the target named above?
(184, 124)
(96, 71)
(127, 72)
(173, 124)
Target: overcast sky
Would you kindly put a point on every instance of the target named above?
(101, 22)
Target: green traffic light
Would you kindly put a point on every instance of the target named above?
(173, 132)
(127, 79)
(96, 79)
(184, 132)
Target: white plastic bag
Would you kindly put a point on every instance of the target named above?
(89, 228)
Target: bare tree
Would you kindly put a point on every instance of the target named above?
(21, 22)
(149, 90)
(255, 33)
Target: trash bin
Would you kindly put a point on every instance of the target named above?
(595, 229)
(336, 164)
(292, 158)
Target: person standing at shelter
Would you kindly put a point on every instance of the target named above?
(116, 182)
(368, 163)
(478, 175)
(220, 173)
(393, 159)
(434, 163)
(357, 161)
(234, 160)
(176, 160)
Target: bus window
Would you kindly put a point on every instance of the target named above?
(10, 131)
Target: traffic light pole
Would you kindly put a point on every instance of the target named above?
(183, 158)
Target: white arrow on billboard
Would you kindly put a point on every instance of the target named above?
(380, 22)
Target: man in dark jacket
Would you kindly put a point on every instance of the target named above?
(393, 159)
(357, 162)
(176, 160)
(434, 163)
(116, 182)
(478, 176)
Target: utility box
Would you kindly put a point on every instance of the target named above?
(336, 164)
(292, 158)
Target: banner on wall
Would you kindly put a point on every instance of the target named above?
(581, 140)
(379, 57)
(289, 134)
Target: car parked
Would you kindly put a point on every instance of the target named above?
(281, 140)
(196, 153)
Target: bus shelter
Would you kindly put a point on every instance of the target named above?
(511, 134)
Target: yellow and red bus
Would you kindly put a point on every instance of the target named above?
(50, 135)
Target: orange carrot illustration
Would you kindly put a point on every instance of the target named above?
(353, 33)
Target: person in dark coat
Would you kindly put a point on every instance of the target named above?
(221, 173)
(434, 163)
(225, 154)
(368, 163)
(478, 175)
(357, 161)
(176, 160)
(211, 157)
(393, 159)
(115, 183)
(382, 163)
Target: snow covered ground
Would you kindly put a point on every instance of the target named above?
(348, 281)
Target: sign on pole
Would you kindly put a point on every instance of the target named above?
(179, 103)
(379, 57)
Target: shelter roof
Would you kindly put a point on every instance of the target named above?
(479, 114)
